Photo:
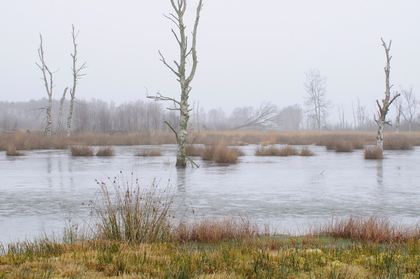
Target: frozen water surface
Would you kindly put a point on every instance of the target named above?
(40, 190)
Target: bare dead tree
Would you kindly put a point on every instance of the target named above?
(47, 77)
(316, 101)
(76, 76)
(410, 107)
(180, 71)
(257, 119)
(386, 101)
(359, 115)
(60, 111)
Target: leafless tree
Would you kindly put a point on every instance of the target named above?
(60, 112)
(316, 102)
(250, 118)
(47, 77)
(76, 76)
(359, 115)
(386, 101)
(409, 106)
(180, 71)
(289, 118)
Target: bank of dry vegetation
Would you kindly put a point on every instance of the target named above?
(132, 234)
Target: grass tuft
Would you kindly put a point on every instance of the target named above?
(11, 151)
(154, 152)
(81, 151)
(373, 154)
(372, 229)
(216, 230)
(275, 151)
(105, 151)
(343, 146)
(305, 151)
(221, 154)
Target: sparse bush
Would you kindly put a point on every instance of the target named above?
(305, 151)
(216, 230)
(274, 151)
(105, 151)
(220, 153)
(11, 151)
(373, 153)
(81, 151)
(154, 152)
(372, 229)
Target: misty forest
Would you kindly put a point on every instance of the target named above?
(162, 187)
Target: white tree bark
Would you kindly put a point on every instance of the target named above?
(387, 101)
(47, 77)
(76, 76)
(60, 112)
(180, 71)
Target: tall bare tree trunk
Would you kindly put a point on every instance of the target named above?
(60, 111)
(183, 78)
(47, 77)
(76, 76)
(387, 101)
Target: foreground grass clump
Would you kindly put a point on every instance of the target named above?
(373, 153)
(81, 151)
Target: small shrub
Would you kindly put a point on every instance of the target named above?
(343, 146)
(105, 151)
(274, 151)
(11, 151)
(372, 229)
(216, 230)
(373, 153)
(149, 152)
(81, 151)
(305, 151)
(222, 154)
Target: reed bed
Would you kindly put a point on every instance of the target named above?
(220, 153)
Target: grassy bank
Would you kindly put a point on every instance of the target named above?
(131, 233)
(334, 140)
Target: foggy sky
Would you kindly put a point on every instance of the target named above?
(248, 51)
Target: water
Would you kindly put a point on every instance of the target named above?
(39, 191)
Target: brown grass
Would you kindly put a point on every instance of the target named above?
(153, 152)
(221, 153)
(372, 229)
(11, 151)
(343, 146)
(305, 151)
(105, 151)
(398, 142)
(81, 151)
(373, 153)
(215, 230)
(275, 151)
(194, 150)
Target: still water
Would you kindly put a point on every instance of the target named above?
(39, 191)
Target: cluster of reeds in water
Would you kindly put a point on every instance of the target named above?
(88, 151)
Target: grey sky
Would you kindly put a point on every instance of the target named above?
(249, 51)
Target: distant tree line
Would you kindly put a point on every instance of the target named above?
(100, 116)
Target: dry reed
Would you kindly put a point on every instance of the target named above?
(373, 153)
(81, 151)
(372, 229)
(105, 151)
(221, 153)
(154, 152)
(11, 151)
(275, 151)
